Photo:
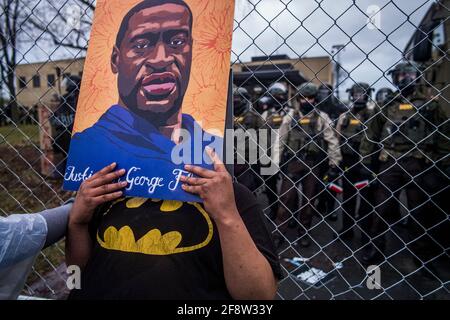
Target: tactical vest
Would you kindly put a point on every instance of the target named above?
(275, 120)
(352, 132)
(304, 137)
(405, 128)
(249, 120)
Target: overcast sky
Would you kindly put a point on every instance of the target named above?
(311, 28)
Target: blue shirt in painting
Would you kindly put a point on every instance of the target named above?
(136, 145)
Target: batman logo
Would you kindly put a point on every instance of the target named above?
(155, 227)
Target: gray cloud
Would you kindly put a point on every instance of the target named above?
(311, 28)
(302, 28)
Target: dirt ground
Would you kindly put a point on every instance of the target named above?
(24, 190)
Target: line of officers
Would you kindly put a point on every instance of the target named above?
(368, 150)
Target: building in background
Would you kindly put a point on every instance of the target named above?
(43, 82)
(429, 46)
(258, 74)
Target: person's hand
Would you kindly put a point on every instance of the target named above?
(215, 188)
(365, 173)
(333, 174)
(95, 191)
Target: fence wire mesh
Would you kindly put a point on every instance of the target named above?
(357, 203)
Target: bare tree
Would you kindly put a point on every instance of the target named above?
(10, 23)
(63, 23)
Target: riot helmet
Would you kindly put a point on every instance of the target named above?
(308, 95)
(279, 92)
(360, 94)
(241, 101)
(382, 95)
(404, 77)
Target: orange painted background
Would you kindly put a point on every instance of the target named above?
(206, 96)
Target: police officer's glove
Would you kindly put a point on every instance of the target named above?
(333, 174)
(365, 174)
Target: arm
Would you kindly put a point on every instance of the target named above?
(247, 272)
(372, 136)
(94, 192)
(330, 136)
(57, 221)
(339, 125)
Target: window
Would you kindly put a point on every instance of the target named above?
(438, 38)
(22, 82)
(36, 81)
(51, 80)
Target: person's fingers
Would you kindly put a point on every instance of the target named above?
(104, 171)
(218, 164)
(199, 171)
(193, 181)
(108, 188)
(106, 179)
(192, 189)
(107, 197)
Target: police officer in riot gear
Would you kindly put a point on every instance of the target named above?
(311, 139)
(350, 127)
(407, 129)
(277, 118)
(63, 118)
(279, 94)
(327, 102)
(246, 169)
(263, 104)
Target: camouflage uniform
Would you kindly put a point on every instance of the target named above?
(350, 128)
(435, 181)
(406, 129)
(277, 119)
(311, 140)
(327, 102)
(246, 125)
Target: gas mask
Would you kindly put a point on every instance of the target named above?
(406, 83)
(306, 107)
(360, 100)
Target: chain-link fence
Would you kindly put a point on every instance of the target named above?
(357, 203)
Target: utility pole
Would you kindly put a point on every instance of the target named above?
(336, 51)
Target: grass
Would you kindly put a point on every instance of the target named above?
(24, 189)
(21, 135)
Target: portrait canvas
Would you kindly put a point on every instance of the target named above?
(154, 93)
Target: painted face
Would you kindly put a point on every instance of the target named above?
(154, 60)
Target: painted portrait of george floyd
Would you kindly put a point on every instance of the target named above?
(153, 94)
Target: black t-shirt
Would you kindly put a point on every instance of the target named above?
(152, 249)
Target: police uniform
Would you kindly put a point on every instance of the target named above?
(350, 128)
(247, 168)
(435, 181)
(247, 122)
(277, 118)
(404, 129)
(310, 141)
